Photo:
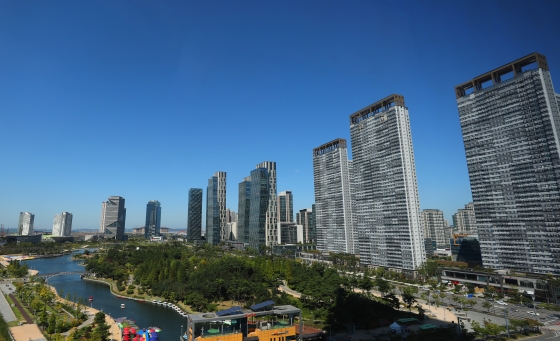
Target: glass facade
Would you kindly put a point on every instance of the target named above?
(153, 219)
(113, 217)
(25, 225)
(194, 224)
(62, 225)
(285, 207)
(244, 210)
(259, 205)
(216, 208)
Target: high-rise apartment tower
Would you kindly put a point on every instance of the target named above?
(464, 221)
(511, 124)
(62, 225)
(435, 228)
(333, 202)
(387, 207)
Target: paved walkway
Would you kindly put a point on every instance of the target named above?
(21, 310)
(113, 327)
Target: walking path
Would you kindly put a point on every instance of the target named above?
(21, 310)
(90, 312)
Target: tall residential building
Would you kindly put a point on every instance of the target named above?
(113, 217)
(464, 221)
(435, 228)
(231, 216)
(25, 225)
(153, 219)
(510, 122)
(305, 218)
(333, 202)
(243, 212)
(263, 229)
(194, 224)
(285, 206)
(216, 208)
(62, 225)
(386, 192)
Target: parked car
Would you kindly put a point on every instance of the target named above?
(513, 309)
(532, 313)
(500, 302)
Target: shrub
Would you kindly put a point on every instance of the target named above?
(130, 291)
(132, 287)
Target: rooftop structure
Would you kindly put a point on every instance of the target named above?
(262, 322)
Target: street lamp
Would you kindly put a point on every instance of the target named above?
(181, 330)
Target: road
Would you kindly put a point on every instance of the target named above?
(5, 308)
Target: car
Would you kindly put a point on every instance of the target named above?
(489, 299)
(532, 313)
(513, 309)
(500, 302)
(552, 317)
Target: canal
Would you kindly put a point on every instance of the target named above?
(146, 314)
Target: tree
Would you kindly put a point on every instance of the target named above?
(487, 305)
(408, 297)
(487, 329)
(99, 318)
(383, 286)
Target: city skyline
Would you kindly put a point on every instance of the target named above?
(104, 71)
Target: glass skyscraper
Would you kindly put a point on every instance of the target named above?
(510, 122)
(244, 210)
(25, 225)
(62, 225)
(216, 208)
(153, 219)
(194, 224)
(263, 229)
(387, 207)
(113, 218)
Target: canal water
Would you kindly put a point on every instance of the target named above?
(146, 314)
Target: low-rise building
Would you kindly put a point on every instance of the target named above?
(544, 290)
(262, 321)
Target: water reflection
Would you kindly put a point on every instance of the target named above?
(146, 314)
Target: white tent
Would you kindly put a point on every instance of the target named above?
(396, 327)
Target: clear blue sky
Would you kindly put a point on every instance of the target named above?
(146, 99)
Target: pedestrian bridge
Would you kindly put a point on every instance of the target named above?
(50, 275)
